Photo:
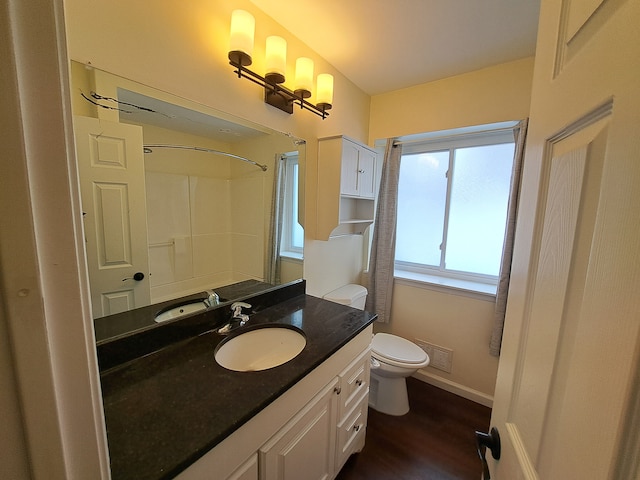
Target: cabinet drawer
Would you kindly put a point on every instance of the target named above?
(351, 433)
(354, 383)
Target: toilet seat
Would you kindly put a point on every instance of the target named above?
(398, 351)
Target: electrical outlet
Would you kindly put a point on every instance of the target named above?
(441, 358)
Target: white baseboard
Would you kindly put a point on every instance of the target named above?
(456, 388)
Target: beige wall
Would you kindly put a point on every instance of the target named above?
(189, 47)
(494, 94)
(463, 324)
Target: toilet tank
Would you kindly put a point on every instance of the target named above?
(353, 295)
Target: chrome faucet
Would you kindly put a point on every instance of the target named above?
(238, 318)
(212, 299)
(236, 308)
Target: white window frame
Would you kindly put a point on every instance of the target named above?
(438, 277)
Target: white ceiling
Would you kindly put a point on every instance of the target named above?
(385, 45)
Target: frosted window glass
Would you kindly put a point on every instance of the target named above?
(478, 208)
(422, 193)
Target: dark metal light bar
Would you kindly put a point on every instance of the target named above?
(278, 96)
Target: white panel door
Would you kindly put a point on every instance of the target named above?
(111, 169)
(566, 402)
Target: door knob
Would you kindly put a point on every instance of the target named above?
(491, 441)
(136, 276)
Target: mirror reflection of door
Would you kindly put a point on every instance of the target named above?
(111, 169)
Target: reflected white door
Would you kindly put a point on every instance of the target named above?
(111, 169)
(566, 402)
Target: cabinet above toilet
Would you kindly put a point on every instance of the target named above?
(347, 180)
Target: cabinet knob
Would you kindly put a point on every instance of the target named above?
(358, 382)
(356, 428)
(337, 390)
(360, 171)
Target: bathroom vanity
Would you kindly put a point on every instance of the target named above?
(175, 412)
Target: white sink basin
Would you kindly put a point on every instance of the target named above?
(260, 349)
(181, 311)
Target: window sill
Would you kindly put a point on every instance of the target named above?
(478, 290)
(292, 256)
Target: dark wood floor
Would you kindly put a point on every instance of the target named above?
(434, 441)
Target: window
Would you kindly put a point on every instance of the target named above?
(292, 240)
(452, 205)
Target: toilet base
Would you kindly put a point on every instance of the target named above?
(389, 395)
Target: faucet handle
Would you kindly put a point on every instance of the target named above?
(236, 307)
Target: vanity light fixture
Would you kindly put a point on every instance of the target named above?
(275, 93)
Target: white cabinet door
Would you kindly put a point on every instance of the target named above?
(349, 170)
(358, 170)
(305, 447)
(366, 173)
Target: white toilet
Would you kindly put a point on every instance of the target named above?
(393, 358)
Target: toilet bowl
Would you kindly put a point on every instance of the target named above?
(393, 359)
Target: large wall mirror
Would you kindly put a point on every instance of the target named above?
(179, 198)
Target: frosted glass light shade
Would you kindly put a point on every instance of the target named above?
(303, 83)
(241, 39)
(325, 90)
(276, 59)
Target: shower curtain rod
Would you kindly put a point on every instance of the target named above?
(147, 149)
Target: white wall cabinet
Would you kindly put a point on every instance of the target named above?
(309, 432)
(346, 186)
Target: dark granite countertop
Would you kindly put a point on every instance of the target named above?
(169, 407)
